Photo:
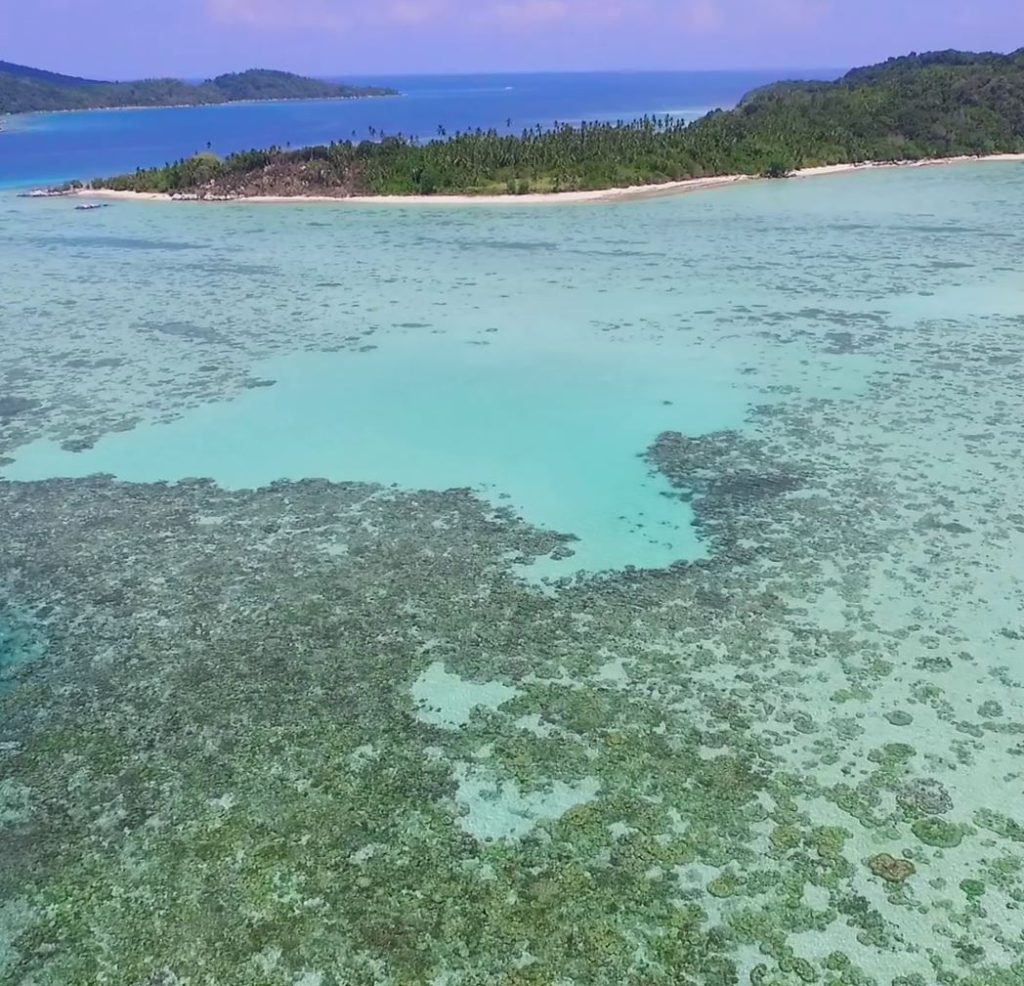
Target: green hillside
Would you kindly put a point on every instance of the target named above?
(41, 75)
(27, 90)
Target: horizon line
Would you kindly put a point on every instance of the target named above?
(464, 73)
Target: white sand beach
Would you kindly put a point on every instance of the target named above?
(626, 194)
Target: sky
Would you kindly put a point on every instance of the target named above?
(198, 38)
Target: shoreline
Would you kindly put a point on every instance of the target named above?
(630, 193)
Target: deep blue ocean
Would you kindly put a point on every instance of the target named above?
(50, 147)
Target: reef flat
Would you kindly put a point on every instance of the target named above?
(324, 733)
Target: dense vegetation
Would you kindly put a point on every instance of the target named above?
(24, 90)
(937, 105)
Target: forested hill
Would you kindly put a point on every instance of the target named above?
(41, 75)
(936, 105)
(26, 90)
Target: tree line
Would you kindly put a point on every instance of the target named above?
(920, 106)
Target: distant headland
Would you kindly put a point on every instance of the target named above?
(31, 90)
(920, 107)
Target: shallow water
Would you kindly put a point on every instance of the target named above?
(340, 703)
(18, 646)
(531, 359)
(554, 434)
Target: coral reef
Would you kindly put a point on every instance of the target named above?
(326, 733)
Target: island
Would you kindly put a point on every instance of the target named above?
(940, 105)
(31, 90)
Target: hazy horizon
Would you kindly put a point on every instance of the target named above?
(114, 39)
(814, 70)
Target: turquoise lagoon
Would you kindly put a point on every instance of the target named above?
(530, 354)
(550, 427)
(798, 759)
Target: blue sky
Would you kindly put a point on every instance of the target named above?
(131, 38)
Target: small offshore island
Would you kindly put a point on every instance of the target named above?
(31, 90)
(934, 106)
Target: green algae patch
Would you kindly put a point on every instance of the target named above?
(891, 869)
(892, 755)
(726, 885)
(938, 832)
(899, 718)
